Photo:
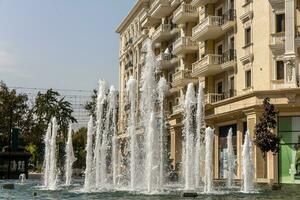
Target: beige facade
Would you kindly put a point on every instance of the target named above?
(241, 51)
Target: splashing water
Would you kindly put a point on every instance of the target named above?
(152, 171)
(106, 138)
(208, 179)
(114, 104)
(88, 181)
(230, 160)
(162, 89)
(131, 92)
(189, 132)
(46, 170)
(148, 96)
(199, 150)
(70, 158)
(101, 99)
(248, 169)
(53, 176)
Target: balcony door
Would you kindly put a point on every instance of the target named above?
(219, 87)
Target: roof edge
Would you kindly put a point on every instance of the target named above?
(131, 13)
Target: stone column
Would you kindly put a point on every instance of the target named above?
(290, 51)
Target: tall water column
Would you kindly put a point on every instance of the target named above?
(189, 137)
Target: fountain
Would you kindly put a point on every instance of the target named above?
(189, 133)
(152, 156)
(248, 169)
(113, 105)
(22, 178)
(46, 170)
(107, 136)
(131, 92)
(88, 181)
(230, 160)
(199, 150)
(162, 89)
(101, 100)
(208, 179)
(53, 176)
(148, 97)
(70, 158)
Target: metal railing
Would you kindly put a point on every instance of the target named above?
(164, 56)
(229, 55)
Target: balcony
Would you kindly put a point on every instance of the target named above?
(185, 13)
(209, 65)
(146, 20)
(208, 28)
(213, 64)
(166, 61)
(213, 27)
(177, 109)
(160, 9)
(181, 78)
(184, 45)
(163, 33)
(211, 98)
(228, 60)
(277, 44)
(198, 3)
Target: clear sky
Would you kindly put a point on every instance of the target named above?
(66, 44)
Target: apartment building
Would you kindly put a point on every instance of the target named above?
(241, 51)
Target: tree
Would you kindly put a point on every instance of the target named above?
(51, 104)
(265, 139)
(79, 141)
(90, 106)
(14, 112)
(48, 105)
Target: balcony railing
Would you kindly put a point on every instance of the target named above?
(229, 55)
(208, 21)
(182, 74)
(163, 28)
(184, 9)
(164, 56)
(183, 41)
(229, 15)
(216, 97)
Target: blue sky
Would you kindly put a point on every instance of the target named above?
(67, 44)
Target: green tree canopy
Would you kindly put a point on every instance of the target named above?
(14, 112)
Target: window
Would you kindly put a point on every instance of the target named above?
(279, 70)
(248, 79)
(247, 36)
(231, 86)
(280, 23)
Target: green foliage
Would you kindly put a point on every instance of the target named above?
(79, 141)
(14, 112)
(90, 106)
(265, 139)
